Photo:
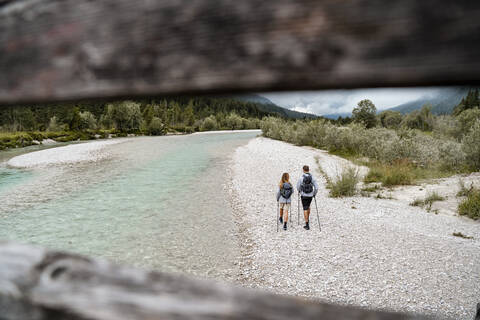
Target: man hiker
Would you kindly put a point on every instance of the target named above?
(284, 194)
(307, 187)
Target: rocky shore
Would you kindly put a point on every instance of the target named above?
(74, 153)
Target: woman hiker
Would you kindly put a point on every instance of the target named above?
(284, 194)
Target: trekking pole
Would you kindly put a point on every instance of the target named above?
(298, 209)
(318, 219)
(277, 217)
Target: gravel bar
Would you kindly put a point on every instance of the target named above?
(373, 253)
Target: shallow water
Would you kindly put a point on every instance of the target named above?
(156, 202)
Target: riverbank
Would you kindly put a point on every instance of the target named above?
(371, 252)
(70, 154)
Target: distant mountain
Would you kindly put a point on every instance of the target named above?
(442, 102)
(268, 106)
(335, 116)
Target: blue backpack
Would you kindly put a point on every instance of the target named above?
(286, 190)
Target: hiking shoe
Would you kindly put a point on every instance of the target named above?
(285, 226)
(306, 227)
(281, 219)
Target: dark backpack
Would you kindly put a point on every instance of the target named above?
(307, 185)
(286, 190)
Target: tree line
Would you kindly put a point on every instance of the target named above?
(455, 125)
(146, 116)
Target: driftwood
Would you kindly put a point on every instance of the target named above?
(40, 284)
(68, 49)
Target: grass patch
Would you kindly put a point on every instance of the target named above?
(390, 175)
(417, 203)
(464, 191)
(401, 173)
(346, 183)
(461, 235)
(428, 201)
(470, 206)
(346, 154)
(371, 188)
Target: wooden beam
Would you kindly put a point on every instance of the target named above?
(69, 49)
(39, 284)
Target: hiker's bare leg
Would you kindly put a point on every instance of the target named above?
(306, 214)
(281, 213)
(285, 219)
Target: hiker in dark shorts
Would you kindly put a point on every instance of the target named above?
(307, 187)
(284, 198)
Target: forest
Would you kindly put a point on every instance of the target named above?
(25, 125)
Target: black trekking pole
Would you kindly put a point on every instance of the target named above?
(277, 215)
(318, 219)
(298, 209)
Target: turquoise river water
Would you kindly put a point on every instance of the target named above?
(155, 202)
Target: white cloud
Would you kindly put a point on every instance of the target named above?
(335, 101)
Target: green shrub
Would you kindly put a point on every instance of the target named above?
(471, 146)
(428, 201)
(209, 123)
(87, 121)
(156, 127)
(375, 174)
(391, 175)
(431, 198)
(346, 184)
(189, 129)
(463, 190)
(417, 202)
(401, 176)
(471, 205)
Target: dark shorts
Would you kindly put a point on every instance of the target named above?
(306, 202)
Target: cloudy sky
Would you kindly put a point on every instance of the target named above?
(336, 101)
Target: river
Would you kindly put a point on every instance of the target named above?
(154, 202)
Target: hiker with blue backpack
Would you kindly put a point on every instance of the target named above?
(284, 195)
(307, 188)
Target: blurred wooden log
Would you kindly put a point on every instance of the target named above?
(39, 284)
(68, 49)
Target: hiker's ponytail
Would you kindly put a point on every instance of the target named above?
(285, 178)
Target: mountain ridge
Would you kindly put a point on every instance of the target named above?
(267, 105)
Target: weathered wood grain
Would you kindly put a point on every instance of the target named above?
(68, 49)
(40, 284)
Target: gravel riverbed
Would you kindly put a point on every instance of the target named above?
(374, 253)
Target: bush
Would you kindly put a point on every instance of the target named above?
(87, 121)
(419, 119)
(470, 207)
(390, 119)
(397, 177)
(446, 126)
(428, 201)
(467, 119)
(209, 123)
(233, 121)
(156, 127)
(125, 115)
(471, 146)
(463, 190)
(54, 125)
(388, 147)
(346, 184)
(391, 175)
(189, 129)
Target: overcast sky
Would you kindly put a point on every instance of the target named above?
(335, 101)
